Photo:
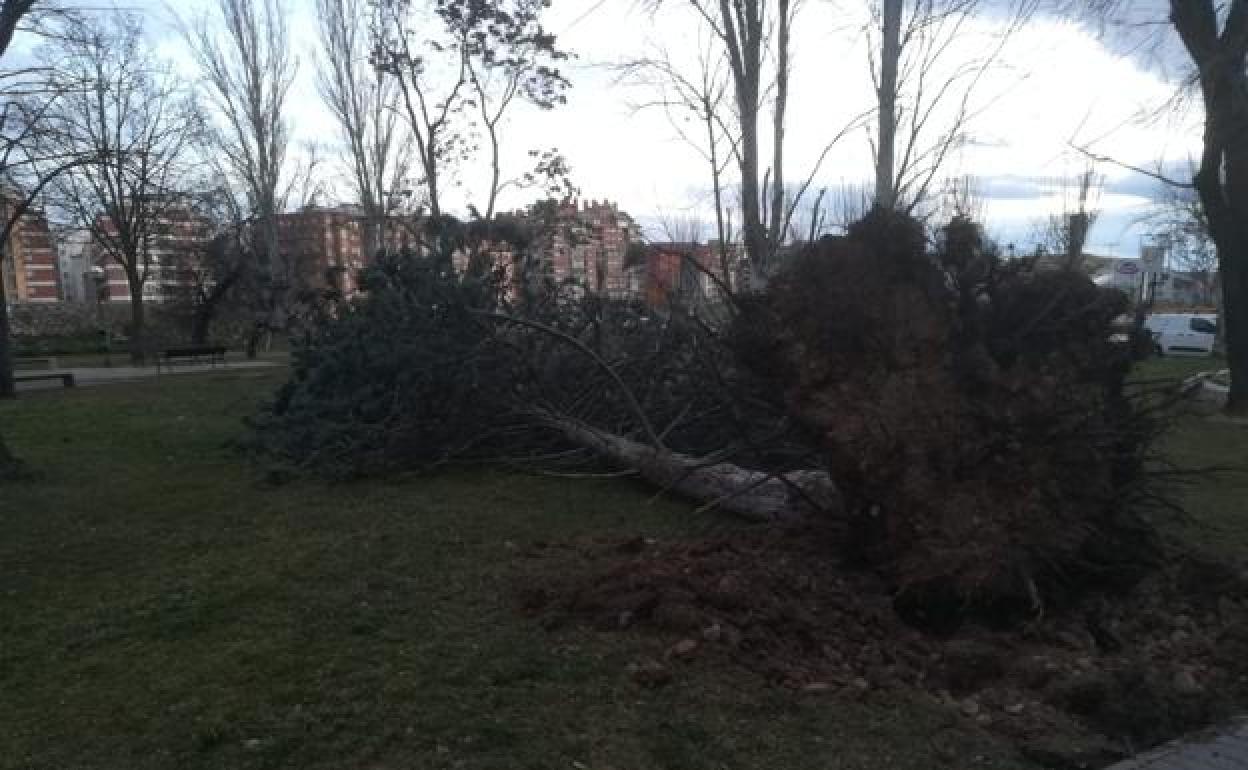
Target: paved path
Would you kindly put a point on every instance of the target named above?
(101, 375)
(1222, 748)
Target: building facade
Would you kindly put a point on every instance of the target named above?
(1176, 288)
(176, 245)
(29, 268)
(687, 272)
(587, 243)
(324, 245)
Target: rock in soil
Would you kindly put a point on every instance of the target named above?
(684, 649)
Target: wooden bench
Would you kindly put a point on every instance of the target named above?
(24, 362)
(66, 378)
(192, 353)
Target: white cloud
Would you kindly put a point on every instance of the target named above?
(1057, 85)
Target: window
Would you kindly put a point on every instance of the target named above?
(1204, 325)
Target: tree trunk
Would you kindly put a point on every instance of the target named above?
(1076, 236)
(718, 193)
(751, 219)
(750, 494)
(138, 350)
(374, 233)
(777, 218)
(253, 339)
(890, 56)
(1222, 178)
(742, 32)
(7, 387)
(200, 321)
(496, 171)
(431, 183)
(1235, 317)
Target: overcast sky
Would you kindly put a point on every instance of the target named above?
(1056, 85)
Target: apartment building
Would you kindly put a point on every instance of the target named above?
(588, 243)
(29, 268)
(176, 244)
(685, 272)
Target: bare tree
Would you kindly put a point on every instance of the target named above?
(809, 223)
(138, 127)
(756, 38)
(27, 167)
(364, 102)
(1218, 46)
(962, 198)
(1178, 225)
(226, 272)
(890, 13)
(834, 208)
(15, 142)
(926, 97)
(1214, 37)
(248, 69)
(1065, 234)
(702, 98)
(431, 73)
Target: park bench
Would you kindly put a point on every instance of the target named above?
(192, 353)
(66, 378)
(33, 362)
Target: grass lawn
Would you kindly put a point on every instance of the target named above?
(162, 607)
(1178, 367)
(1219, 502)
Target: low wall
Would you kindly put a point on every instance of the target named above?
(78, 327)
(75, 325)
(65, 319)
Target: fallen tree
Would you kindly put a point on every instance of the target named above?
(967, 420)
(754, 495)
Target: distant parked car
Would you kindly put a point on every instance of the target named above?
(1190, 334)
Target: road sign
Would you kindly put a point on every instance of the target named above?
(1128, 268)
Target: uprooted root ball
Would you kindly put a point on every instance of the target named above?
(974, 410)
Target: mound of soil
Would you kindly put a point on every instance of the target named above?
(1109, 676)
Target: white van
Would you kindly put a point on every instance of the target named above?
(1190, 334)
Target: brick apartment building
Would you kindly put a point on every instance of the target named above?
(596, 245)
(593, 244)
(30, 271)
(323, 244)
(176, 244)
(689, 272)
(588, 243)
(326, 244)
